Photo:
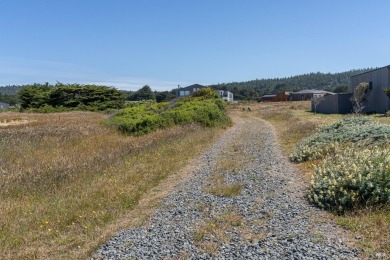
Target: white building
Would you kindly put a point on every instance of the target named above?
(225, 95)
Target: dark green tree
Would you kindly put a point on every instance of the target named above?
(164, 96)
(144, 93)
(83, 97)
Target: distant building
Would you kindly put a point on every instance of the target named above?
(225, 95)
(377, 101)
(308, 94)
(4, 105)
(182, 92)
(283, 96)
(378, 80)
(268, 98)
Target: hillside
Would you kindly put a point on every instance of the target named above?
(254, 89)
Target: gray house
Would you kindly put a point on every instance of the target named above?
(4, 105)
(182, 92)
(308, 94)
(378, 80)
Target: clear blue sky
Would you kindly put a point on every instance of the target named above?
(128, 44)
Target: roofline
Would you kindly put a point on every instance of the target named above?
(388, 66)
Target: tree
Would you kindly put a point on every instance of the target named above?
(316, 100)
(341, 89)
(84, 97)
(359, 97)
(164, 96)
(144, 93)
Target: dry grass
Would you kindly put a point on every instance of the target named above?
(292, 122)
(65, 178)
(218, 229)
(219, 187)
(371, 229)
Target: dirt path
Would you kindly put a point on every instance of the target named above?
(241, 199)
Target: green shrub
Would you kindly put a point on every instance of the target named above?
(359, 130)
(352, 178)
(204, 107)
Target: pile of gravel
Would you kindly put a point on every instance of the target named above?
(271, 204)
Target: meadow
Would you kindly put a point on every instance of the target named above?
(68, 181)
(293, 123)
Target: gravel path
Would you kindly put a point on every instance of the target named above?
(269, 219)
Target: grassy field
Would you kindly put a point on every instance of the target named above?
(67, 182)
(293, 121)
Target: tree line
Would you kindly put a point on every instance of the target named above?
(254, 89)
(248, 90)
(70, 96)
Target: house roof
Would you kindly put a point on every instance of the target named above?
(314, 91)
(193, 86)
(6, 104)
(265, 96)
(388, 66)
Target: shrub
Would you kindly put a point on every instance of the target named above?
(352, 178)
(359, 130)
(204, 107)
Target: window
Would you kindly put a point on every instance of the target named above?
(184, 93)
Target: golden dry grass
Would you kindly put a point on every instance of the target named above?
(293, 122)
(65, 179)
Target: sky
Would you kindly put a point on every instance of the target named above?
(165, 43)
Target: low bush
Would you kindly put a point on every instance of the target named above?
(352, 178)
(203, 107)
(358, 130)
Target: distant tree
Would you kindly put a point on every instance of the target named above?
(359, 97)
(144, 93)
(164, 96)
(341, 89)
(84, 97)
(33, 96)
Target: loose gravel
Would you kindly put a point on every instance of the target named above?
(276, 222)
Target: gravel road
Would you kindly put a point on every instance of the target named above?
(269, 219)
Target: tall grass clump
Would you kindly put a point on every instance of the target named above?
(352, 178)
(360, 131)
(203, 107)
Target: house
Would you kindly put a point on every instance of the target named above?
(378, 80)
(4, 105)
(182, 92)
(225, 95)
(268, 98)
(308, 94)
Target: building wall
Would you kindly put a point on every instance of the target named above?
(334, 104)
(377, 102)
